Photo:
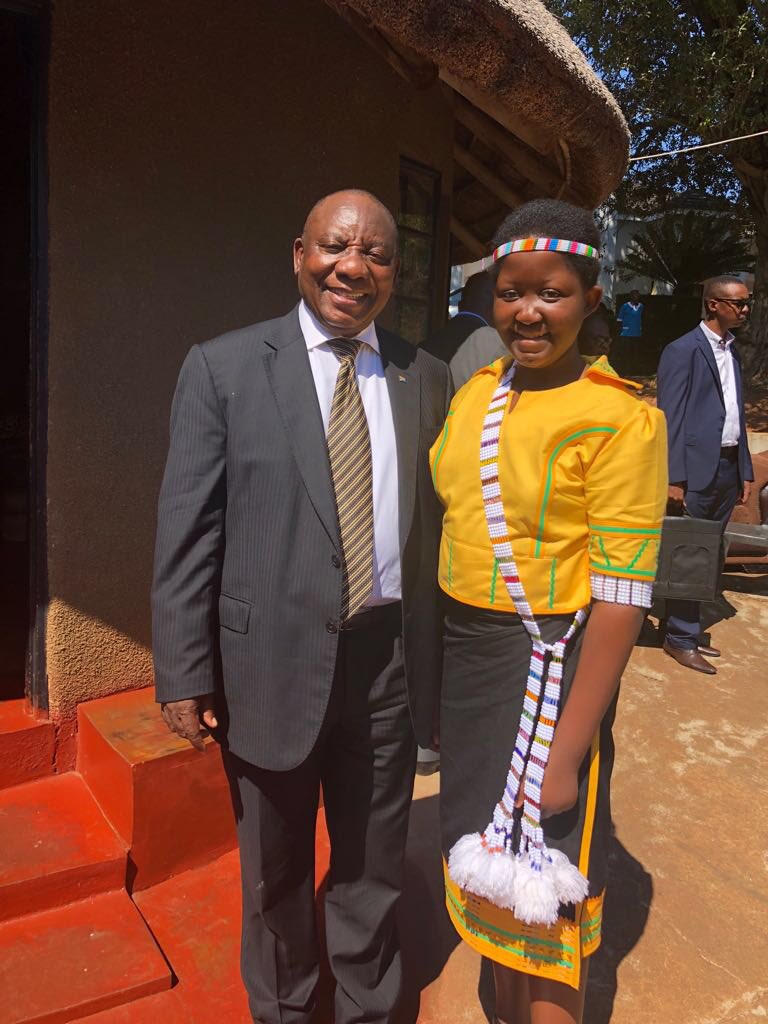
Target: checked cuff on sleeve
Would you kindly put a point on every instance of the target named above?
(618, 590)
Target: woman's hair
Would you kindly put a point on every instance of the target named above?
(552, 218)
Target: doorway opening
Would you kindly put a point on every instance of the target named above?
(20, 65)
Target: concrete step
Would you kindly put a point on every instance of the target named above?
(26, 745)
(56, 846)
(168, 802)
(73, 961)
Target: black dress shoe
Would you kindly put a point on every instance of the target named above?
(690, 658)
(707, 651)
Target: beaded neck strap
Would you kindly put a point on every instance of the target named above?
(532, 881)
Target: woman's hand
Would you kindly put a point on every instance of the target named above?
(559, 792)
(560, 789)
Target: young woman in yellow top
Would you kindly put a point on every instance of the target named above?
(552, 474)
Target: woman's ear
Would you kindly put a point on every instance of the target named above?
(592, 298)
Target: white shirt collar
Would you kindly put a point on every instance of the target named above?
(715, 339)
(316, 334)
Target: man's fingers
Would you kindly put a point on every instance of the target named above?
(188, 727)
(207, 713)
(210, 719)
(184, 722)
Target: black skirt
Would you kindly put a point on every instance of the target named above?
(487, 654)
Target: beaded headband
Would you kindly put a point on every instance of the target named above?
(545, 245)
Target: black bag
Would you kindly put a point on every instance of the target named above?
(690, 559)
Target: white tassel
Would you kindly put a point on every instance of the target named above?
(489, 873)
(536, 899)
(571, 885)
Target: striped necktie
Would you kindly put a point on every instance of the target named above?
(349, 448)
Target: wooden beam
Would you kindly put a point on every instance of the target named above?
(495, 185)
(531, 167)
(417, 71)
(467, 238)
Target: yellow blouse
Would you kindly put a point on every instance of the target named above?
(583, 472)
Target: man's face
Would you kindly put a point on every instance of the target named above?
(346, 262)
(595, 337)
(728, 306)
(634, 297)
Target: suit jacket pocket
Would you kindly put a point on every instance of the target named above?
(234, 613)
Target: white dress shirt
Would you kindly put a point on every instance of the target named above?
(724, 359)
(381, 427)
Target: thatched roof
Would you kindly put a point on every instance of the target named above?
(516, 67)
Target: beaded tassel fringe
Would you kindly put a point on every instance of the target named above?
(532, 881)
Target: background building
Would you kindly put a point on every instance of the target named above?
(168, 154)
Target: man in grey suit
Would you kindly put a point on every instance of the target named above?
(295, 605)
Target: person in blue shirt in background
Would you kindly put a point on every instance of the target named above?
(629, 357)
(631, 316)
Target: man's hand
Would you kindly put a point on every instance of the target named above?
(188, 718)
(746, 490)
(676, 496)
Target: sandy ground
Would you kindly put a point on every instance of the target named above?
(685, 937)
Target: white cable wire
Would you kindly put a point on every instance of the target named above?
(704, 145)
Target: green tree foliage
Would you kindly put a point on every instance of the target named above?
(684, 72)
(685, 249)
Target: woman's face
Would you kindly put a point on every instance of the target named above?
(538, 306)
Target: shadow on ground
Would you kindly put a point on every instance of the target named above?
(426, 934)
(752, 582)
(712, 612)
(627, 906)
(429, 941)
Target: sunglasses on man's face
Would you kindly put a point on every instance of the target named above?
(738, 304)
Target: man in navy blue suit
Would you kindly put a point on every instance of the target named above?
(700, 393)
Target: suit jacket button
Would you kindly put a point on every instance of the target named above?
(331, 626)
(336, 561)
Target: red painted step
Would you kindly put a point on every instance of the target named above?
(76, 960)
(55, 846)
(26, 745)
(169, 803)
(163, 1008)
(195, 919)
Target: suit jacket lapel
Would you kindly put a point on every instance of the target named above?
(709, 355)
(290, 376)
(404, 387)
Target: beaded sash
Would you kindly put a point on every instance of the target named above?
(532, 881)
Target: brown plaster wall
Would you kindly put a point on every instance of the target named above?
(186, 142)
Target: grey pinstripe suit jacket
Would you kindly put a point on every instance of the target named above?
(247, 586)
